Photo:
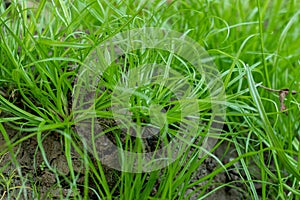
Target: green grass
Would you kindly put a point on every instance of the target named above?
(252, 42)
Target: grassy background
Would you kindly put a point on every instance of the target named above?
(252, 43)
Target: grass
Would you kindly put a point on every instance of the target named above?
(252, 43)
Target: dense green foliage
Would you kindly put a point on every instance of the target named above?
(252, 43)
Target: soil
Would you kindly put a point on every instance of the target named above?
(28, 156)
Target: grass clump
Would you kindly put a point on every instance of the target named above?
(255, 47)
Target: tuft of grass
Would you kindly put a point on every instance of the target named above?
(43, 45)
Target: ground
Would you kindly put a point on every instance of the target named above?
(32, 166)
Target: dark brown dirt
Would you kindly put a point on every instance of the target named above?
(32, 166)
